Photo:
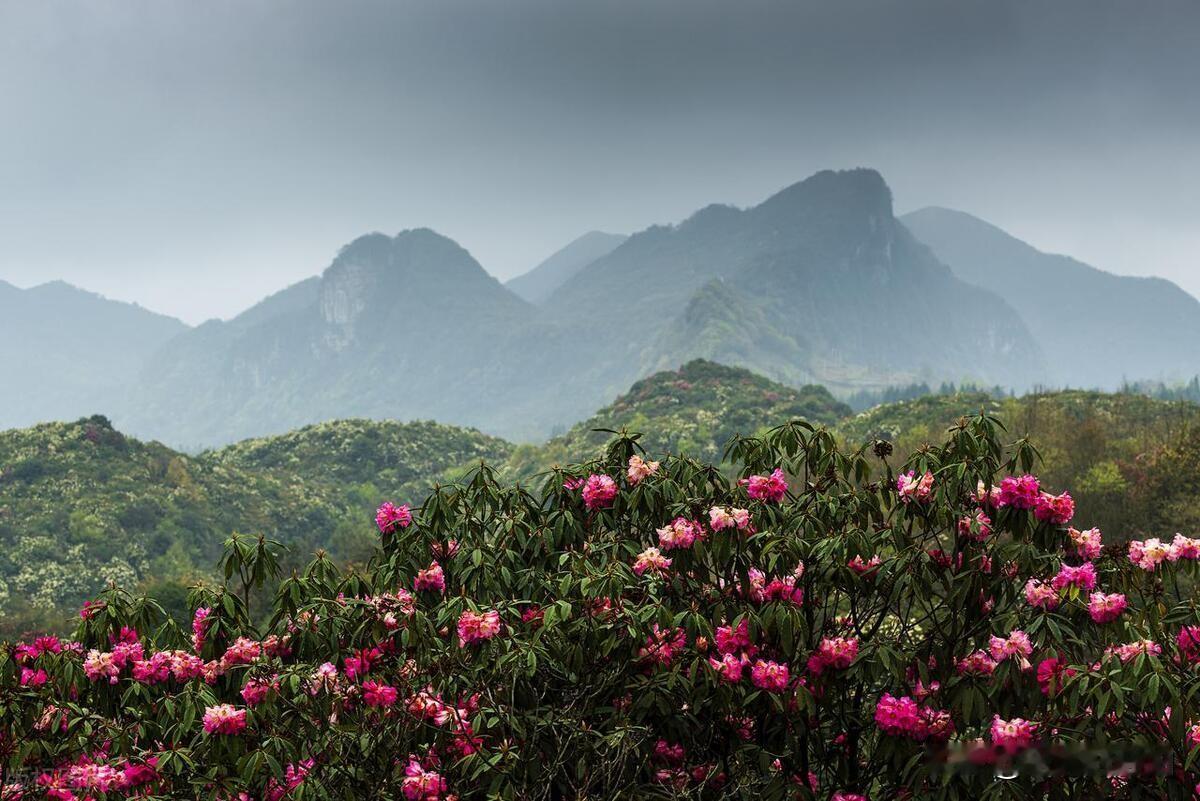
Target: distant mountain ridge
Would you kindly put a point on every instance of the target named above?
(1105, 327)
(818, 284)
(65, 351)
(824, 273)
(540, 282)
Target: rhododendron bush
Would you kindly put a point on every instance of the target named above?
(827, 626)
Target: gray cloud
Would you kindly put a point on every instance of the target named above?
(194, 157)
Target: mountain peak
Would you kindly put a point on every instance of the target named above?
(859, 188)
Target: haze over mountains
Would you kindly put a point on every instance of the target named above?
(819, 283)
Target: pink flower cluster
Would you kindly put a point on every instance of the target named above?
(1015, 646)
(431, 578)
(422, 785)
(476, 627)
(1013, 735)
(721, 518)
(651, 561)
(662, 645)
(977, 528)
(904, 717)
(1149, 554)
(836, 653)
(599, 491)
(1088, 544)
(770, 676)
(1041, 595)
(390, 517)
(224, 719)
(200, 623)
(680, 534)
(911, 488)
(1055, 509)
(1106, 608)
(777, 589)
(772, 488)
(1082, 576)
(639, 470)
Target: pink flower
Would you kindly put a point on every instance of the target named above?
(1129, 651)
(1193, 736)
(390, 517)
(1088, 544)
(1055, 509)
(1040, 595)
(599, 491)
(1183, 548)
(639, 469)
(430, 578)
(652, 561)
(729, 667)
(99, 665)
(734, 639)
(681, 533)
(1188, 641)
(904, 717)
(662, 645)
(770, 488)
(33, 678)
(864, 568)
(1148, 554)
(255, 692)
(833, 652)
(1019, 492)
(1083, 577)
(770, 676)
(422, 785)
(1016, 645)
(224, 719)
(977, 528)
(377, 694)
(1051, 673)
(720, 518)
(200, 622)
(1106, 608)
(977, 663)
(475, 627)
(912, 488)
(1013, 735)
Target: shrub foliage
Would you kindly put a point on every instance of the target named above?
(828, 626)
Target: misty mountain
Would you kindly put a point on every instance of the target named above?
(818, 284)
(401, 327)
(1097, 328)
(537, 284)
(64, 351)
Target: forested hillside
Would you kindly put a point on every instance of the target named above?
(81, 503)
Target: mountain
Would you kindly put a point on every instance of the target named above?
(695, 410)
(818, 283)
(1097, 328)
(403, 327)
(64, 351)
(538, 284)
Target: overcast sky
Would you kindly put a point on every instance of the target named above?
(196, 156)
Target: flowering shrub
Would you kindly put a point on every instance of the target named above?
(828, 626)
